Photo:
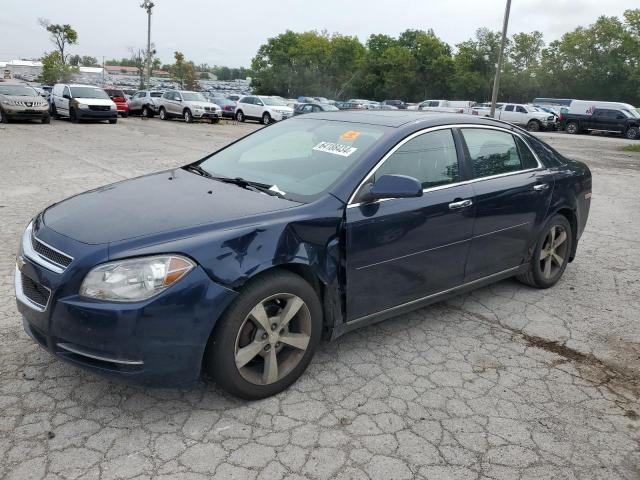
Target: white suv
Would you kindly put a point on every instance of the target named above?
(265, 109)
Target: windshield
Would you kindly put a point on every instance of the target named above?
(301, 157)
(273, 102)
(88, 92)
(18, 91)
(192, 97)
(632, 113)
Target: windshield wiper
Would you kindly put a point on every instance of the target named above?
(241, 182)
(197, 169)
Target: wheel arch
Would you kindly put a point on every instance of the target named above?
(570, 214)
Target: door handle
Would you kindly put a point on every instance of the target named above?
(540, 187)
(461, 204)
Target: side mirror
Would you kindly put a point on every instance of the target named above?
(260, 104)
(393, 186)
(67, 96)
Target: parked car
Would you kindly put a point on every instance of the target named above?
(262, 108)
(555, 125)
(483, 109)
(526, 116)
(301, 108)
(399, 104)
(120, 99)
(228, 106)
(447, 106)
(237, 264)
(145, 102)
(82, 102)
(189, 105)
(22, 102)
(347, 106)
(622, 122)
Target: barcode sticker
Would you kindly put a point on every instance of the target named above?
(335, 149)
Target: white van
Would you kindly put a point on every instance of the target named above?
(80, 102)
(587, 107)
(447, 106)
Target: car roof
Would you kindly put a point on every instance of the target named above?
(400, 118)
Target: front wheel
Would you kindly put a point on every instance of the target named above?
(572, 128)
(163, 114)
(46, 119)
(632, 133)
(266, 118)
(267, 337)
(188, 116)
(240, 116)
(551, 255)
(533, 126)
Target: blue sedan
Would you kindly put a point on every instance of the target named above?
(238, 264)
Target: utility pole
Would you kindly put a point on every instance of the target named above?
(148, 6)
(496, 81)
(103, 70)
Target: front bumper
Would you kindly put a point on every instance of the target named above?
(159, 341)
(277, 116)
(22, 113)
(207, 114)
(96, 114)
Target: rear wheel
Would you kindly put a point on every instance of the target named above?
(54, 111)
(267, 337)
(266, 118)
(125, 114)
(572, 128)
(240, 116)
(551, 255)
(163, 114)
(632, 133)
(3, 117)
(46, 119)
(113, 121)
(188, 116)
(146, 112)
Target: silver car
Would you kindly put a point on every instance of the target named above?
(145, 102)
(188, 105)
(22, 102)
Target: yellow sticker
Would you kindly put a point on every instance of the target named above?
(350, 135)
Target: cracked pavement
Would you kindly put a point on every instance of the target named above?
(506, 382)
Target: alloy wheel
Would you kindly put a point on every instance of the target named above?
(273, 338)
(554, 252)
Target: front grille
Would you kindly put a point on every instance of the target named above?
(100, 108)
(50, 254)
(35, 292)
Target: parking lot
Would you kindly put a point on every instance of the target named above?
(507, 382)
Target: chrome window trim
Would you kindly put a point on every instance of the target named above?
(73, 349)
(351, 204)
(31, 254)
(22, 298)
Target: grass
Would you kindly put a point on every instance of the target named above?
(632, 148)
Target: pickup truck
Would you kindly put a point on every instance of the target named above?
(446, 106)
(527, 116)
(623, 122)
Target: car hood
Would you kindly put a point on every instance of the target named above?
(18, 98)
(95, 101)
(156, 203)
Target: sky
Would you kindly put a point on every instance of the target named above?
(222, 32)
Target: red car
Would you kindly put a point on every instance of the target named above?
(120, 100)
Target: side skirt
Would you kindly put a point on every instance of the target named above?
(424, 301)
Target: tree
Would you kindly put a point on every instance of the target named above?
(61, 36)
(183, 72)
(53, 70)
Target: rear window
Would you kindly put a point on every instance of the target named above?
(115, 93)
(156, 94)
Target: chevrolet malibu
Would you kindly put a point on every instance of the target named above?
(238, 264)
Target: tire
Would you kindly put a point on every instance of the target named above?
(146, 112)
(73, 116)
(533, 126)
(237, 329)
(3, 117)
(46, 119)
(632, 133)
(125, 115)
(573, 128)
(113, 121)
(188, 116)
(545, 268)
(163, 114)
(215, 120)
(240, 116)
(266, 118)
(54, 111)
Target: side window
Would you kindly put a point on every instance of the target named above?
(508, 108)
(248, 100)
(66, 91)
(492, 152)
(526, 156)
(431, 158)
(521, 109)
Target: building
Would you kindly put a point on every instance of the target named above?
(132, 71)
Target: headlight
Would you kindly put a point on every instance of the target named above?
(113, 106)
(134, 279)
(83, 106)
(8, 102)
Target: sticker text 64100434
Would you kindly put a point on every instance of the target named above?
(335, 148)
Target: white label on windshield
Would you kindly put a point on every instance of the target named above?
(335, 148)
